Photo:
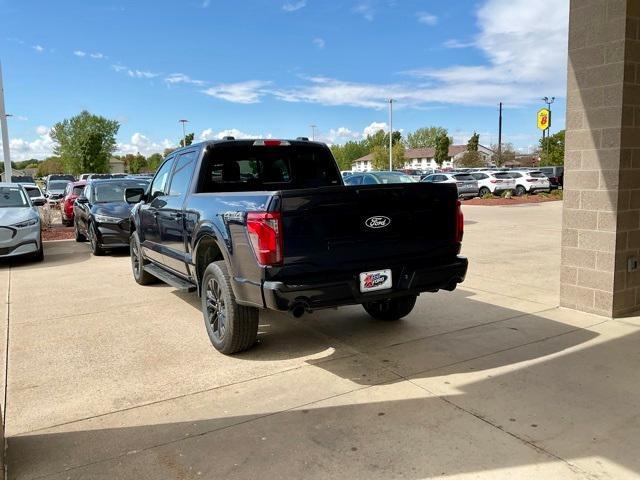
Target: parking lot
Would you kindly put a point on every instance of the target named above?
(108, 379)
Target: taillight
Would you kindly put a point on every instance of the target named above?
(494, 181)
(459, 222)
(265, 236)
(531, 179)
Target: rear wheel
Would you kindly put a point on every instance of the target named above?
(484, 191)
(520, 190)
(140, 275)
(96, 248)
(391, 308)
(231, 327)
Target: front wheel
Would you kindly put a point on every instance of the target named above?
(79, 237)
(96, 248)
(391, 308)
(140, 275)
(231, 327)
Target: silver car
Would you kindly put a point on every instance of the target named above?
(20, 229)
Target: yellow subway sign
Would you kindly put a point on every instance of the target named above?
(544, 118)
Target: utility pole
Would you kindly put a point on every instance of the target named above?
(500, 135)
(5, 133)
(184, 134)
(313, 132)
(391, 134)
(545, 142)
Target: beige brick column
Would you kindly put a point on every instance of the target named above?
(601, 222)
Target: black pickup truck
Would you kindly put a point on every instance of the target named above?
(269, 224)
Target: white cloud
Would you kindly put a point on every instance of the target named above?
(366, 10)
(39, 148)
(80, 53)
(175, 78)
(42, 130)
(453, 43)
(97, 55)
(427, 18)
(140, 143)
(38, 48)
(210, 134)
(319, 42)
(118, 68)
(293, 6)
(520, 67)
(141, 74)
(243, 92)
(374, 128)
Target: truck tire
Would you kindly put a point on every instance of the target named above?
(231, 327)
(140, 275)
(391, 308)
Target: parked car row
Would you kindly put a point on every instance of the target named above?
(470, 183)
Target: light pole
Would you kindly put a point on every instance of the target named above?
(184, 132)
(548, 101)
(391, 134)
(313, 132)
(5, 133)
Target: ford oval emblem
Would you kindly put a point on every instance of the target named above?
(378, 221)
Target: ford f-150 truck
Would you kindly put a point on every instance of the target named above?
(269, 224)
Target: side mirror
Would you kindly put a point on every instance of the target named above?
(82, 199)
(134, 195)
(39, 202)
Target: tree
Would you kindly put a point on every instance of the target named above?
(50, 165)
(471, 159)
(552, 150)
(474, 141)
(442, 148)
(188, 138)
(135, 163)
(380, 139)
(85, 142)
(425, 137)
(508, 154)
(380, 154)
(153, 162)
(347, 153)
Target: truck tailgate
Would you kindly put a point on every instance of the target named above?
(355, 228)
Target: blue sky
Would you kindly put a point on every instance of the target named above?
(273, 67)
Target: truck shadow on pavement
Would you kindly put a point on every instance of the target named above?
(568, 409)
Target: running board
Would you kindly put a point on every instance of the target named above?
(169, 278)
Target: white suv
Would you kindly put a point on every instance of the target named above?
(494, 182)
(530, 181)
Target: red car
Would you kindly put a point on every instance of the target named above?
(73, 190)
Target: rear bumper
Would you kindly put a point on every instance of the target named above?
(406, 281)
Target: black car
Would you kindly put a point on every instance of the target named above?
(269, 224)
(101, 214)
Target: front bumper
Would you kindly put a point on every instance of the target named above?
(406, 281)
(114, 235)
(19, 241)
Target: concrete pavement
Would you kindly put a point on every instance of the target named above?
(108, 379)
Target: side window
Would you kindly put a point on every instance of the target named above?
(160, 181)
(369, 180)
(355, 180)
(87, 192)
(183, 173)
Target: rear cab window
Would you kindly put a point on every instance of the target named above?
(247, 167)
